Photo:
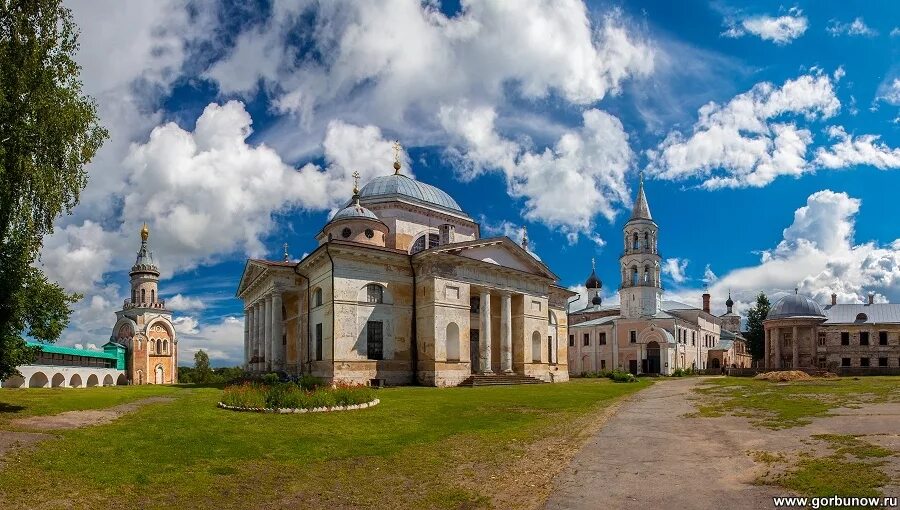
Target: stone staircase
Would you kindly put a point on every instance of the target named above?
(499, 380)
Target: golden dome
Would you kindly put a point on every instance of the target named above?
(145, 232)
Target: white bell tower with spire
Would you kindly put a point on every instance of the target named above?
(641, 290)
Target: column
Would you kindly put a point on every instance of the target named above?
(254, 336)
(267, 333)
(485, 333)
(506, 333)
(815, 347)
(246, 337)
(795, 349)
(277, 333)
(767, 339)
(776, 343)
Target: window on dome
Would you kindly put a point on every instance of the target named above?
(346, 232)
(370, 233)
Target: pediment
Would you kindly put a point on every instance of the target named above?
(500, 251)
(252, 270)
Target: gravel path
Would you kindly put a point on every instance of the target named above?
(649, 455)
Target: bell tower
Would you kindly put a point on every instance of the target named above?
(144, 325)
(641, 290)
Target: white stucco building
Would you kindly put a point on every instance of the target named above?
(402, 289)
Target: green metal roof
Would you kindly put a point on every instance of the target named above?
(59, 349)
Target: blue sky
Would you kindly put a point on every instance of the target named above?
(768, 134)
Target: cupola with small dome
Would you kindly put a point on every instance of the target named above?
(593, 285)
(355, 223)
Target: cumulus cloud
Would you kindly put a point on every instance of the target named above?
(780, 30)
(819, 256)
(857, 27)
(589, 163)
(676, 269)
(223, 341)
(748, 141)
(182, 303)
(889, 91)
(856, 150)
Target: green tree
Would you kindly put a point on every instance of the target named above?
(202, 372)
(755, 332)
(49, 130)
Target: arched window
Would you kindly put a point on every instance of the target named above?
(152, 296)
(134, 295)
(158, 346)
(634, 276)
(150, 346)
(317, 297)
(861, 317)
(646, 240)
(646, 274)
(165, 346)
(143, 295)
(452, 342)
(635, 244)
(375, 293)
(420, 244)
(536, 347)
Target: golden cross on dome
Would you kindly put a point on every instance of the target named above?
(355, 182)
(397, 148)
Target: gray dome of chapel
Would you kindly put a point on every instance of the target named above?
(795, 305)
(399, 184)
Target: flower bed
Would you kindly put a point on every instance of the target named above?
(293, 398)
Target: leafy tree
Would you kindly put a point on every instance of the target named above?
(202, 373)
(49, 131)
(755, 332)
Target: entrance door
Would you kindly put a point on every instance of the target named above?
(632, 366)
(159, 374)
(474, 354)
(652, 358)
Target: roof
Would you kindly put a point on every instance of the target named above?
(59, 349)
(399, 184)
(641, 210)
(675, 305)
(876, 313)
(354, 211)
(724, 344)
(593, 282)
(795, 306)
(596, 322)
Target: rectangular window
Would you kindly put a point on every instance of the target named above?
(882, 362)
(632, 336)
(602, 364)
(602, 339)
(375, 339)
(821, 338)
(375, 293)
(571, 340)
(845, 362)
(863, 362)
(863, 338)
(319, 342)
(882, 338)
(474, 304)
(693, 338)
(587, 339)
(845, 338)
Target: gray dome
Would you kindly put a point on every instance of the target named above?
(398, 184)
(354, 211)
(795, 305)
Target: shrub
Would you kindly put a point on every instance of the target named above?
(622, 376)
(310, 382)
(294, 395)
(270, 379)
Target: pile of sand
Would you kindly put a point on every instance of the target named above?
(784, 376)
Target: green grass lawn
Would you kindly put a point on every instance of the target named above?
(782, 405)
(420, 448)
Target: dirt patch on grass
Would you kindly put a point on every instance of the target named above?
(77, 419)
(10, 441)
(784, 376)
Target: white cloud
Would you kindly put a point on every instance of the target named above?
(895, 32)
(741, 143)
(186, 325)
(708, 275)
(854, 28)
(857, 150)
(590, 164)
(819, 256)
(223, 341)
(675, 268)
(780, 30)
(889, 91)
(182, 303)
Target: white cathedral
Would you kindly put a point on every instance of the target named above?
(402, 289)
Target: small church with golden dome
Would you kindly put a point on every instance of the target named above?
(144, 325)
(402, 289)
